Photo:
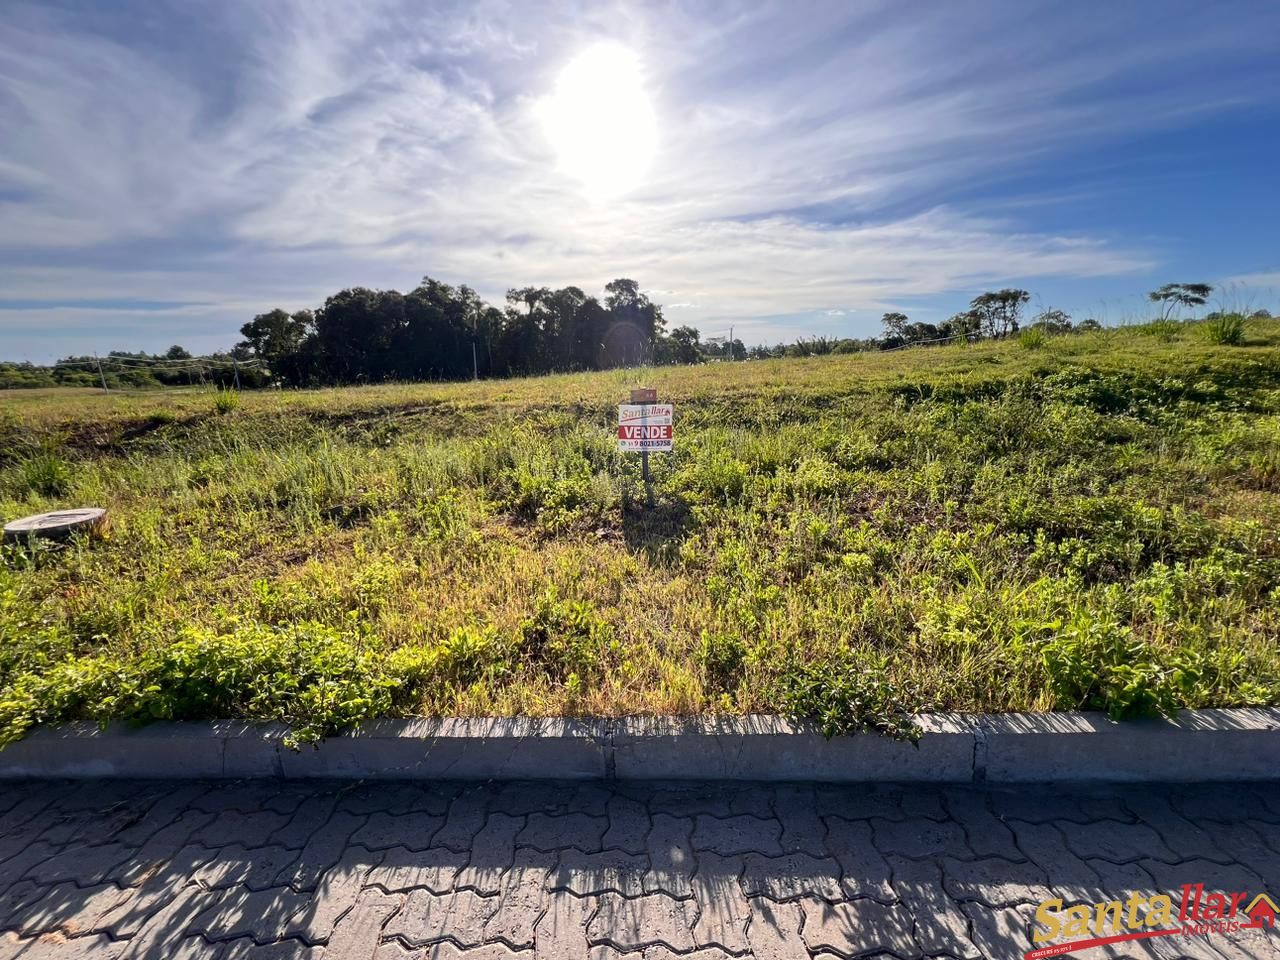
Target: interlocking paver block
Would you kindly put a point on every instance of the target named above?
(401, 870)
(466, 816)
(322, 851)
(447, 951)
(634, 923)
(492, 853)
(170, 923)
(562, 930)
(900, 880)
(67, 908)
(596, 873)
(738, 834)
(336, 893)
(311, 820)
(246, 829)
(161, 848)
(545, 831)
(912, 838)
(790, 877)
(987, 835)
(410, 830)
(1000, 934)
(284, 950)
(522, 899)
(32, 856)
(522, 798)
(671, 858)
(1118, 842)
(428, 917)
(83, 864)
(628, 825)
(939, 925)
(92, 947)
(858, 926)
(802, 829)
(996, 882)
(256, 869)
(774, 931)
(865, 871)
(356, 935)
(723, 910)
(259, 914)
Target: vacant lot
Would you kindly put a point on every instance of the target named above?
(1091, 523)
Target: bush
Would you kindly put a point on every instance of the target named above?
(1225, 329)
(1032, 338)
(1099, 665)
(308, 676)
(226, 401)
(844, 697)
(46, 474)
(1162, 330)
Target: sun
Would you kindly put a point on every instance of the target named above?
(600, 121)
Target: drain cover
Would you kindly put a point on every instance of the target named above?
(57, 525)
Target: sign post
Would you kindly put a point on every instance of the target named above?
(645, 426)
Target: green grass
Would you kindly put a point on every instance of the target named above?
(1089, 523)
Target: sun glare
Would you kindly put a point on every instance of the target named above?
(600, 121)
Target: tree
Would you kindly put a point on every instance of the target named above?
(275, 337)
(177, 353)
(895, 325)
(681, 346)
(1053, 321)
(998, 312)
(1174, 295)
(967, 324)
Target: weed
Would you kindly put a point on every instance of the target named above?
(1225, 329)
(45, 473)
(1032, 338)
(225, 401)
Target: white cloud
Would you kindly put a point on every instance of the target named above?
(804, 160)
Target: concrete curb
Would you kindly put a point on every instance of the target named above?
(1201, 745)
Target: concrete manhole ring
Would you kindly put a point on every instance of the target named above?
(57, 524)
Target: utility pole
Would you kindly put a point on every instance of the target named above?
(101, 375)
(237, 369)
(731, 356)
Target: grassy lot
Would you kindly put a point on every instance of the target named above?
(1092, 522)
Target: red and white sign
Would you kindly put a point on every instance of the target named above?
(645, 426)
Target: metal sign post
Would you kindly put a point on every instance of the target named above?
(645, 426)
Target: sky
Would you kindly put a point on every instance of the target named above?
(170, 169)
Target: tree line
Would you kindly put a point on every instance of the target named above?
(440, 332)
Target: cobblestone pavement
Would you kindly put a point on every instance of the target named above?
(276, 871)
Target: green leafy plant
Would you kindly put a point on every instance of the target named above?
(1032, 338)
(1225, 329)
(45, 473)
(845, 695)
(225, 401)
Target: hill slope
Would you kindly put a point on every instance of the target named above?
(987, 527)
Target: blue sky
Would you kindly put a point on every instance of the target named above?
(169, 170)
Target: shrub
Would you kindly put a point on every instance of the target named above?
(46, 474)
(1162, 330)
(308, 676)
(564, 638)
(1032, 338)
(843, 696)
(225, 401)
(1225, 329)
(1099, 665)
(722, 657)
